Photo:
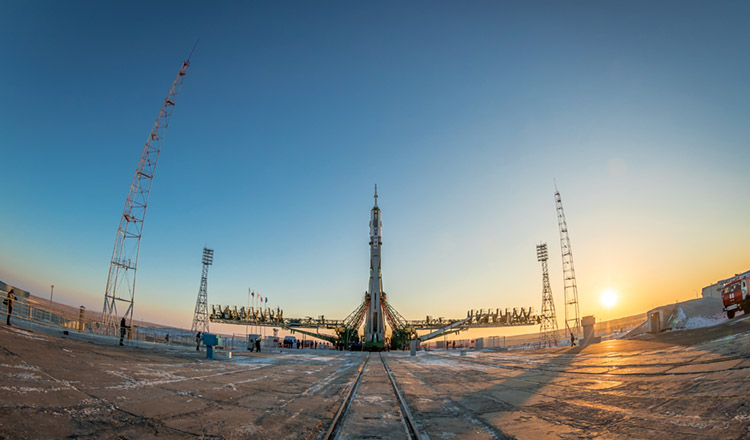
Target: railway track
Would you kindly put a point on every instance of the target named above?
(373, 406)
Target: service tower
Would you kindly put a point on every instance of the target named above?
(374, 330)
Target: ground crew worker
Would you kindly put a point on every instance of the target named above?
(257, 345)
(572, 340)
(9, 303)
(198, 341)
(123, 329)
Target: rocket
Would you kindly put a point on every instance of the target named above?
(374, 329)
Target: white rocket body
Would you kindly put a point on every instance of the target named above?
(374, 328)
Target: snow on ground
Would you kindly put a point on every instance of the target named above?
(705, 321)
(453, 365)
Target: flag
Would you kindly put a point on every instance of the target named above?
(253, 294)
(266, 300)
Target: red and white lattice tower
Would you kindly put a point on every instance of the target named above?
(121, 278)
(572, 317)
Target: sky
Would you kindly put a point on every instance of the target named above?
(466, 115)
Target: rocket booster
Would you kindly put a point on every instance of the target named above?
(376, 225)
(374, 328)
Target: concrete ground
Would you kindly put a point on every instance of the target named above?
(687, 384)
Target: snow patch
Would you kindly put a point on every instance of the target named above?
(705, 321)
(29, 377)
(21, 366)
(24, 390)
(679, 321)
(29, 335)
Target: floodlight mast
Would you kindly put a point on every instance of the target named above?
(122, 268)
(200, 318)
(548, 327)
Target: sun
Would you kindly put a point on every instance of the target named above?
(609, 298)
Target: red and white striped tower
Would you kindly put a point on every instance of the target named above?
(122, 268)
(572, 316)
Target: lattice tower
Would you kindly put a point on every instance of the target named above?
(548, 327)
(200, 317)
(122, 268)
(572, 317)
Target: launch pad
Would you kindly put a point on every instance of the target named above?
(384, 326)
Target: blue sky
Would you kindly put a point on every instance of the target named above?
(462, 113)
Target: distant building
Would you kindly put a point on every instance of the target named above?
(714, 290)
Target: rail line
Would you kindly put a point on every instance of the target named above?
(413, 431)
(335, 428)
(338, 417)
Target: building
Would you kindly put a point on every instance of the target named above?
(714, 290)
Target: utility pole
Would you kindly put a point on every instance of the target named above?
(122, 268)
(548, 328)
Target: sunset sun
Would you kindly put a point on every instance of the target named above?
(609, 299)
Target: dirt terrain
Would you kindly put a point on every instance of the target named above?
(687, 384)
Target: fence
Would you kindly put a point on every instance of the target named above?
(607, 330)
(35, 316)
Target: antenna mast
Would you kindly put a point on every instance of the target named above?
(548, 328)
(572, 317)
(200, 318)
(121, 277)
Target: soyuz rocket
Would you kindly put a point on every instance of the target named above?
(374, 329)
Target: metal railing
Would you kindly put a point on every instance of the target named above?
(34, 316)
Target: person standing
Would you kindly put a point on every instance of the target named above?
(9, 301)
(123, 329)
(257, 345)
(198, 341)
